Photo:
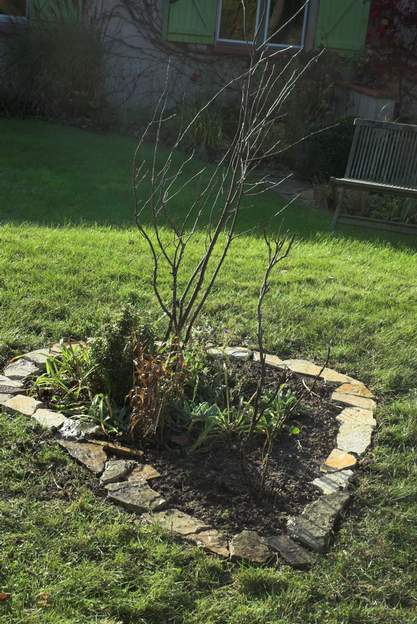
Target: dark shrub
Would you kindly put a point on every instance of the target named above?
(55, 67)
(112, 353)
(326, 154)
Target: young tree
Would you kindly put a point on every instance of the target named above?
(220, 192)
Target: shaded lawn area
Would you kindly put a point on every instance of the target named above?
(65, 555)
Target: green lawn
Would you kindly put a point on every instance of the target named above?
(69, 256)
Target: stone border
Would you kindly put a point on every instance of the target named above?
(127, 478)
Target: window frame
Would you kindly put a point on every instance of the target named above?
(237, 42)
(16, 19)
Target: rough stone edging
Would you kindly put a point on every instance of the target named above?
(126, 478)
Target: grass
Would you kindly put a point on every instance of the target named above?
(68, 258)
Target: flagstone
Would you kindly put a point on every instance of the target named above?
(21, 369)
(10, 386)
(354, 438)
(138, 497)
(249, 546)
(294, 554)
(314, 527)
(358, 416)
(22, 404)
(356, 389)
(38, 357)
(116, 470)
(177, 522)
(212, 541)
(355, 401)
(270, 360)
(338, 460)
(49, 419)
(143, 472)
(91, 455)
(333, 481)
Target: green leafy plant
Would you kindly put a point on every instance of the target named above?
(231, 415)
(110, 417)
(67, 380)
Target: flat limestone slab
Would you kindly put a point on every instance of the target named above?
(22, 405)
(354, 438)
(177, 522)
(271, 360)
(4, 398)
(334, 377)
(137, 497)
(21, 369)
(356, 389)
(314, 527)
(38, 357)
(116, 470)
(10, 386)
(249, 546)
(92, 456)
(356, 401)
(143, 472)
(73, 429)
(212, 541)
(294, 554)
(338, 460)
(239, 353)
(309, 369)
(125, 452)
(49, 419)
(333, 481)
(357, 415)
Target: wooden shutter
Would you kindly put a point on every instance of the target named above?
(190, 21)
(343, 24)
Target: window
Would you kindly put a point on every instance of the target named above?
(279, 22)
(13, 9)
(237, 24)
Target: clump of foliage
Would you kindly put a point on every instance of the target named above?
(67, 382)
(232, 412)
(55, 66)
(326, 154)
(113, 351)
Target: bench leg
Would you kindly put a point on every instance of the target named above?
(339, 207)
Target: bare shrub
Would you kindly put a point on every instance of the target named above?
(221, 192)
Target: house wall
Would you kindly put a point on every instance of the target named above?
(138, 70)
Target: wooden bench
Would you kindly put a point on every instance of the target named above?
(383, 159)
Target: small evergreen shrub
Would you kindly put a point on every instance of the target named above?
(112, 353)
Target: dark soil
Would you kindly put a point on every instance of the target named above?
(210, 484)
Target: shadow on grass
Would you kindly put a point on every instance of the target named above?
(54, 175)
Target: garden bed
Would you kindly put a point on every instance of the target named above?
(210, 484)
(199, 492)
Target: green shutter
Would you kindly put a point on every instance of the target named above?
(54, 10)
(190, 21)
(343, 24)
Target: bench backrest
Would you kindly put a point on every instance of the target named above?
(385, 153)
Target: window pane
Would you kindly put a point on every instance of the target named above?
(280, 12)
(17, 8)
(235, 23)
